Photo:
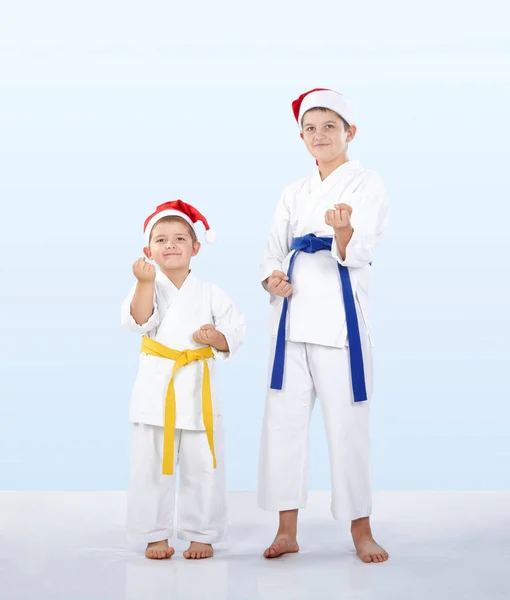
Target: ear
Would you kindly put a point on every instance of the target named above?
(147, 252)
(301, 136)
(196, 248)
(351, 133)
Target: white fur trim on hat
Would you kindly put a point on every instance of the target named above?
(165, 213)
(327, 99)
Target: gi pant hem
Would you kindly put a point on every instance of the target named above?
(339, 515)
(149, 538)
(281, 505)
(198, 537)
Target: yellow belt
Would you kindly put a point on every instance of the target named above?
(149, 346)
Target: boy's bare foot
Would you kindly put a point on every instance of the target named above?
(286, 538)
(366, 547)
(198, 550)
(159, 550)
(282, 544)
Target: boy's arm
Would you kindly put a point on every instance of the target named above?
(278, 245)
(139, 312)
(227, 333)
(353, 243)
(142, 304)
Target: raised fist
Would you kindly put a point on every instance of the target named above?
(144, 271)
(339, 217)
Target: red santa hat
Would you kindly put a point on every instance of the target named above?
(178, 208)
(322, 98)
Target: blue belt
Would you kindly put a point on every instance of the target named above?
(310, 243)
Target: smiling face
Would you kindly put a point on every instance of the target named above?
(172, 244)
(326, 134)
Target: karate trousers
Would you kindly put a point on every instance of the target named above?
(315, 371)
(201, 507)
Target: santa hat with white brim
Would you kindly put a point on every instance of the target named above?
(322, 98)
(178, 208)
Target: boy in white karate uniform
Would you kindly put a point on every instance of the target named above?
(317, 268)
(186, 325)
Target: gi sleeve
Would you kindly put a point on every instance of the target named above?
(130, 324)
(229, 321)
(369, 220)
(278, 245)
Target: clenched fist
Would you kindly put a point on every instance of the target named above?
(144, 271)
(340, 217)
(277, 284)
(208, 335)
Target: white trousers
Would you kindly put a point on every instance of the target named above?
(314, 371)
(201, 511)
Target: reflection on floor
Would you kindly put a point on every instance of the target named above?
(443, 545)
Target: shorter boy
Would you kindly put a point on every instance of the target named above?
(185, 324)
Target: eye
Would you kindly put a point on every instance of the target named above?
(181, 239)
(330, 125)
(309, 128)
(160, 240)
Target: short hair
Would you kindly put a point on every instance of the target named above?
(174, 219)
(323, 109)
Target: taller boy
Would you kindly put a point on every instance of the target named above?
(317, 268)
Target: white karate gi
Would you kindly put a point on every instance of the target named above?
(178, 313)
(317, 360)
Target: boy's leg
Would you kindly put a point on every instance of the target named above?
(151, 495)
(347, 428)
(202, 506)
(283, 467)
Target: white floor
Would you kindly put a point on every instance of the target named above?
(443, 545)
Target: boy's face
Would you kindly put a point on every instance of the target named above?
(171, 245)
(325, 136)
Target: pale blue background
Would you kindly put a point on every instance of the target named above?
(109, 108)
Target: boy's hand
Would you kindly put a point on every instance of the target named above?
(277, 284)
(144, 271)
(208, 335)
(340, 217)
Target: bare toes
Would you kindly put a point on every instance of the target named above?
(158, 554)
(195, 553)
